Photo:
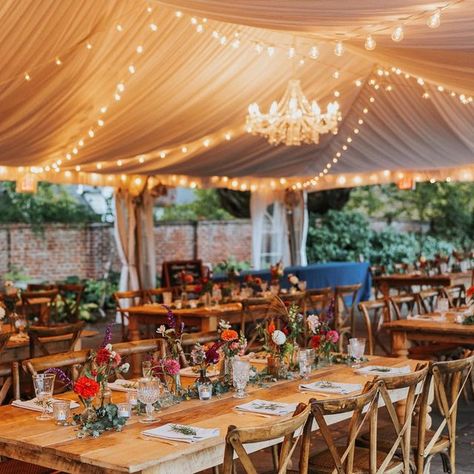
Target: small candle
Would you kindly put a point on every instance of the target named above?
(61, 411)
(132, 398)
(205, 391)
(123, 410)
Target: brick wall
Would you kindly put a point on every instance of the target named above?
(58, 250)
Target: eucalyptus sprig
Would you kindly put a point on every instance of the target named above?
(185, 430)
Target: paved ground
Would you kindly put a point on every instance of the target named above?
(465, 439)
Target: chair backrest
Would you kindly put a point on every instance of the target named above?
(375, 313)
(456, 295)
(40, 286)
(155, 295)
(40, 336)
(318, 299)
(449, 379)
(45, 309)
(291, 430)
(4, 338)
(131, 298)
(342, 310)
(71, 296)
(135, 349)
(5, 371)
(364, 408)
(427, 300)
(413, 382)
(254, 310)
(409, 303)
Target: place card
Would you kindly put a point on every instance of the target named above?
(268, 407)
(383, 371)
(184, 433)
(326, 386)
(35, 405)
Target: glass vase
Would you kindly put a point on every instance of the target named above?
(105, 394)
(276, 367)
(89, 414)
(175, 386)
(226, 370)
(324, 360)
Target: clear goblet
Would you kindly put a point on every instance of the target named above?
(356, 349)
(44, 387)
(241, 375)
(442, 306)
(149, 391)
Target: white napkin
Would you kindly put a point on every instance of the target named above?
(268, 408)
(189, 372)
(383, 371)
(34, 405)
(122, 385)
(167, 432)
(423, 317)
(332, 387)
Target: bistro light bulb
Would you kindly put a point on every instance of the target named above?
(339, 49)
(434, 20)
(370, 43)
(398, 34)
(314, 52)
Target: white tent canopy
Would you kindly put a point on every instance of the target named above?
(104, 90)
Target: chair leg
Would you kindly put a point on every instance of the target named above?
(275, 456)
(447, 464)
(215, 470)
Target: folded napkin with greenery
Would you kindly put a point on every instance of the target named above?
(332, 387)
(184, 433)
(267, 407)
(383, 371)
(122, 385)
(36, 405)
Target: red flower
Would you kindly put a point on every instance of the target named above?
(198, 288)
(315, 341)
(103, 356)
(271, 328)
(285, 331)
(470, 291)
(86, 387)
(188, 278)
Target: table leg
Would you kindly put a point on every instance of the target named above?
(399, 344)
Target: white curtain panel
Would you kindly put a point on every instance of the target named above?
(300, 222)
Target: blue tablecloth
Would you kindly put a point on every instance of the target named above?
(320, 275)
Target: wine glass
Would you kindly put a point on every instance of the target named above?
(44, 386)
(241, 375)
(442, 306)
(304, 363)
(149, 391)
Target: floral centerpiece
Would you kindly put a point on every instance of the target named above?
(231, 344)
(468, 318)
(3, 314)
(323, 339)
(275, 343)
(293, 329)
(276, 273)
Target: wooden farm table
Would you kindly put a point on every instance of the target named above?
(386, 282)
(405, 330)
(23, 437)
(204, 318)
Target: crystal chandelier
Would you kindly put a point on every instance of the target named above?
(293, 120)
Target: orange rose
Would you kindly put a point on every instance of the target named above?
(271, 327)
(229, 335)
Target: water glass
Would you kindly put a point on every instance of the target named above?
(149, 391)
(44, 387)
(311, 354)
(304, 364)
(356, 349)
(61, 411)
(167, 298)
(241, 375)
(124, 410)
(442, 306)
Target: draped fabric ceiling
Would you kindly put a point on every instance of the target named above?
(183, 95)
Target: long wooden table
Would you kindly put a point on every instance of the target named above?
(429, 330)
(385, 283)
(205, 318)
(25, 438)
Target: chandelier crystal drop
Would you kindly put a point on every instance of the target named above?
(293, 120)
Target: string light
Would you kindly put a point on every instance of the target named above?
(339, 49)
(58, 61)
(398, 34)
(370, 43)
(314, 52)
(153, 27)
(139, 49)
(27, 77)
(434, 20)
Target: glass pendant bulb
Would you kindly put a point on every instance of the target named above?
(398, 34)
(434, 20)
(339, 49)
(370, 43)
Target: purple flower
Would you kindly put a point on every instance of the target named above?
(212, 354)
(60, 375)
(170, 316)
(331, 310)
(107, 336)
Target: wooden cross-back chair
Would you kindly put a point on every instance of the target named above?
(254, 311)
(396, 438)
(375, 315)
(71, 296)
(41, 336)
(124, 299)
(134, 350)
(155, 295)
(190, 339)
(44, 311)
(456, 295)
(292, 430)
(6, 377)
(449, 379)
(318, 299)
(404, 305)
(349, 458)
(344, 312)
(427, 300)
(40, 286)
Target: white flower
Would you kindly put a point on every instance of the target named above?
(2, 312)
(224, 324)
(161, 330)
(313, 322)
(294, 280)
(108, 347)
(113, 354)
(125, 367)
(278, 337)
